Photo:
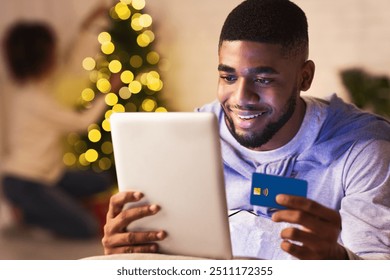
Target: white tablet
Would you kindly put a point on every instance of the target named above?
(175, 160)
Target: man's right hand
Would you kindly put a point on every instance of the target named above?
(116, 239)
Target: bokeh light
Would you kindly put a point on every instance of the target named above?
(152, 57)
(107, 48)
(140, 82)
(87, 94)
(135, 87)
(127, 76)
(88, 63)
(94, 135)
(138, 4)
(104, 37)
(122, 10)
(103, 85)
(115, 66)
(91, 155)
(111, 99)
(136, 61)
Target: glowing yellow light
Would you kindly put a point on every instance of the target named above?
(69, 159)
(94, 135)
(107, 48)
(150, 34)
(127, 76)
(104, 37)
(143, 79)
(138, 4)
(89, 63)
(105, 163)
(93, 126)
(124, 93)
(106, 125)
(135, 24)
(145, 20)
(107, 147)
(82, 160)
(148, 105)
(91, 155)
(153, 74)
(118, 108)
(153, 81)
(136, 61)
(111, 99)
(122, 10)
(103, 85)
(152, 57)
(143, 40)
(113, 14)
(155, 85)
(87, 94)
(108, 114)
(135, 87)
(161, 110)
(127, 2)
(115, 66)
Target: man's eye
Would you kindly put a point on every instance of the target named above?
(263, 81)
(228, 78)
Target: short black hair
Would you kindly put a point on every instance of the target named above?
(29, 49)
(268, 21)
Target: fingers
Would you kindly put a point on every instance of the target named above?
(308, 206)
(132, 242)
(144, 248)
(317, 238)
(116, 240)
(124, 218)
(118, 200)
(132, 238)
(300, 252)
(306, 246)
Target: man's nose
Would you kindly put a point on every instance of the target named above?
(245, 93)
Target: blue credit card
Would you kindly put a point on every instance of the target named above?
(266, 187)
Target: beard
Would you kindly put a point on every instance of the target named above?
(256, 139)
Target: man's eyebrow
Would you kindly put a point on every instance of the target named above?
(256, 70)
(225, 68)
(262, 70)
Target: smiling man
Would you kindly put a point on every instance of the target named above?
(254, 79)
(266, 126)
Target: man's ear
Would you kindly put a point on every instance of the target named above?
(307, 76)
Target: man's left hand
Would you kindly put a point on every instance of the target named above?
(321, 226)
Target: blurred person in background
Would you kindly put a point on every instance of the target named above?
(35, 181)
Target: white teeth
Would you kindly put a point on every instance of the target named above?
(249, 117)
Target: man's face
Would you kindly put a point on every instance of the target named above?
(259, 92)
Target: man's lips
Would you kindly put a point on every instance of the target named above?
(249, 115)
(247, 119)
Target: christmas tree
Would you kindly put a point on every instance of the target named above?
(127, 58)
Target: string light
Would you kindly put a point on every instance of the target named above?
(133, 62)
